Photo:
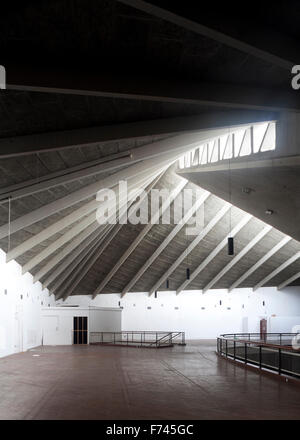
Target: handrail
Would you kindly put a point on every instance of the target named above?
(283, 359)
(258, 334)
(262, 338)
(158, 341)
(137, 338)
(170, 336)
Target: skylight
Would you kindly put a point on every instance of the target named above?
(241, 142)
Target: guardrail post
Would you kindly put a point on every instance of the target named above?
(245, 353)
(221, 346)
(280, 338)
(279, 361)
(234, 350)
(260, 356)
(226, 348)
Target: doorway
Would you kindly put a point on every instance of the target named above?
(80, 330)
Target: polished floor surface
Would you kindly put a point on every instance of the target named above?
(94, 382)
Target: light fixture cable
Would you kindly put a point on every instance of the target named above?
(9, 223)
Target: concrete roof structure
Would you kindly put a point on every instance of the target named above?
(129, 112)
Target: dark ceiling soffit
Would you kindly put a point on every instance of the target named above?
(201, 29)
(54, 141)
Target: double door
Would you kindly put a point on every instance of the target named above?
(80, 330)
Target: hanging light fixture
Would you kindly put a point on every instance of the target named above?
(230, 246)
(230, 241)
(9, 223)
(187, 260)
(188, 273)
(167, 283)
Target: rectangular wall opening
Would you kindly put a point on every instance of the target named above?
(80, 330)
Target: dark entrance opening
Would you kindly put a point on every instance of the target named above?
(80, 330)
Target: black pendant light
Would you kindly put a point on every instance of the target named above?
(187, 260)
(230, 242)
(167, 284)
(188, 273)
(230, 246)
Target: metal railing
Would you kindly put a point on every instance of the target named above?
(267, 338)
(152, 339)
(270, 351)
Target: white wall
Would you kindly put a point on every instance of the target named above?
(57, 322)
(284, 324)
(20, 318)
(105, 319)
(240, 311)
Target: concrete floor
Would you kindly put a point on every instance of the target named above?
(94, 382)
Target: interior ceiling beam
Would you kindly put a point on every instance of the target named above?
(64, 269)
(66, 221)
(152, 156)
(288, 281)
(263, 160)
(214, 253)
(122, 201)
(209, 32)
(220, 214)
(112, 162)
(140, 237)
(51, 230)
(33, 186)
(67, 276)
(83, 268)
(68, 251)
(52, 263)
(277, 271)
(214, 95)
(199, 202)
(71, 234)
(259, 263)
(238, 257)
(91, 259)
(93, 136)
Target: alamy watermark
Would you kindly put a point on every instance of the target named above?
(158, 206)
(296, 78)
(296, 337)
(2, 77)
